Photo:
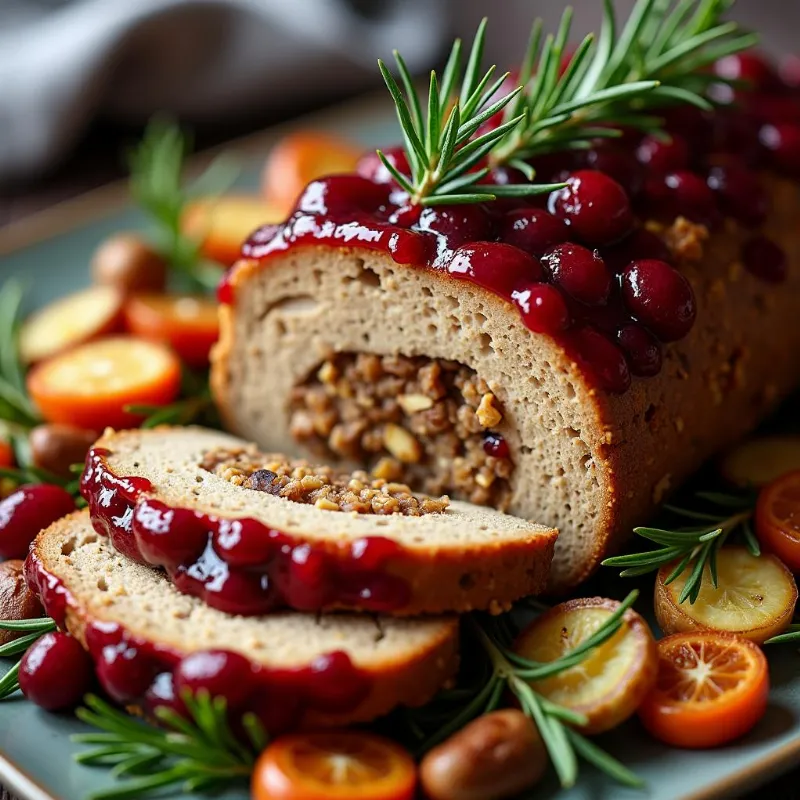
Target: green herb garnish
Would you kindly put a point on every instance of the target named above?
(190, 755)
(33, 629)
(656, 59)
(196, 406)
(693, 547)
(157, 184)
(17, 412)
(503, 670)
(443, 144)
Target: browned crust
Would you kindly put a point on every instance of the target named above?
(717, 384)
(490, 576)
(410, 682)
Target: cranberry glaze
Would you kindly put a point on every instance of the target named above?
(132, 669)
(579, 265)
(239, 566)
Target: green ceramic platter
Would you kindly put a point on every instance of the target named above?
(51, 254)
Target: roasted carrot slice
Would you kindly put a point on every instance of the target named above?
(300, 158)
(187, 323)
(70, 321)
(91, 385)
(222, 224)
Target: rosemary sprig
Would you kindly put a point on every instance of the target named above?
(444, 144)
(33, 629)
(656, 59)
(157, 184)
(193, 755)
(791, 634)
(693, 548)
(195, 407)
(16, 409)
(502, 669)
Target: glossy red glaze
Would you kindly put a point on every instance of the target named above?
(240, 566)
(27, 511)
(55, 672)
(132, 669)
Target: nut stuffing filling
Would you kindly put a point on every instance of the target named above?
(429, 422)
(320, 486)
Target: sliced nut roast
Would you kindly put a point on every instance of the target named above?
(495, 756)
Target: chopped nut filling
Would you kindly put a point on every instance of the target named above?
(320, 486)
(417, 419)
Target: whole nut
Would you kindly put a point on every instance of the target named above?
(56, 447)
(495, 756)
(129, 263)
(17, 601)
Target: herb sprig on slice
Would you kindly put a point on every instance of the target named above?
(33, 629)
(196, 754)
(445, 144)
(504, 670)
(157, 184)
(656, 59)
(693, 547)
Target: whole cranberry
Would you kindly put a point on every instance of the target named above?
(542, 308)
(343, 195)
(737, 134)
(168, 537)
(243, 543)
(750, 67)
(369, 166)
(660, 298)
(643, 351)
(55, 672)
(740, 193)
(789, 71)
(458, 224)
(685, 194)
(594, 206)
(782, 142)
(603, 358)
(642, 243)
(125, 671)
(693, 124)
(663, 155)
(581, 273)
(276, 709)
(221, 673)
(555, 167)
(496, 266)
(27, 511)
(495, 445)
(334, 683)
(532, 230)
(613, 160)
(765, 259)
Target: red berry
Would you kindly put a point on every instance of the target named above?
(342, 196)
(663, 155)
(125, 671)
(643, 351)
(750, 67)
(542, 307)
(693, 124)
(617, 163)
(594, 206)
(782, 141)
(765, 259)
(660, 298)
(789, 71)
(495, 445)
(371, 167)
(168, 537)
(27, 511)
(219, 672)
(55, 672)
(642, 243)
(684, 194)
(495, 266)
(532, 230)
(162, 694)
(457, 224)
(581, 273)
(740, 193)
(603, 358)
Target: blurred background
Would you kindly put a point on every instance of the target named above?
(79, 78)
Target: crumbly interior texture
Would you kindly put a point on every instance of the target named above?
(417, 419)
(591, 464)
(321, 486)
